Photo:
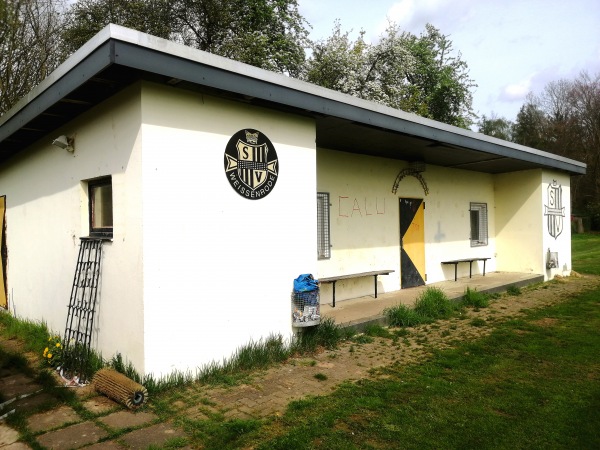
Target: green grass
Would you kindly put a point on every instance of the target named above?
(475, 299)
(586, 253)
(513, 290)
(432, 304)
(530, 384)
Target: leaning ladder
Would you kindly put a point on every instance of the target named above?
(82, 305)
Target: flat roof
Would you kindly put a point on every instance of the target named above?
(117, 57)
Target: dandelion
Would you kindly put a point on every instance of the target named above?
(49, 355)
(58, 345)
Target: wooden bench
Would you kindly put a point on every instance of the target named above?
(373, 273)
(456, 262)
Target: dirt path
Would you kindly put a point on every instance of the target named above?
(271, 391)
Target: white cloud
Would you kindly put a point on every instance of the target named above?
(516, 91)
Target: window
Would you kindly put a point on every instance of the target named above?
(479, 224)
(101, 207)
(323, 241)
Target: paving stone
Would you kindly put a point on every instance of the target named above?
(108, 445)
(52, 419)
(154, 435)
(127, 419)
(18, 384)
(100, 405)
(16, 446)
(72, 437)
(34, 401)
(7, 435)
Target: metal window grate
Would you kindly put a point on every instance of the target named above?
(323, 228)
(479, 224)
(81, 310)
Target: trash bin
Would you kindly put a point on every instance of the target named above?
(306, 310)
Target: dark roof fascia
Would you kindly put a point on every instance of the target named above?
(148, 54)
(330, 103)
(43, 98)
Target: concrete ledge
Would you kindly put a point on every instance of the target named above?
(361, 312)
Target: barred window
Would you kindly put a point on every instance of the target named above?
(323, 241)
(479, 224)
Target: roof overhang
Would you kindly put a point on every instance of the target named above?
(117, 57)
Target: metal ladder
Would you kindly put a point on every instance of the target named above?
(82, 305)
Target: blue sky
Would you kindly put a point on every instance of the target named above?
(512, 47)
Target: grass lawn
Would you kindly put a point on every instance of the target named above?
(534, 383)
(586, 253)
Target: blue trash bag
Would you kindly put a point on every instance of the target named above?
(305, 283)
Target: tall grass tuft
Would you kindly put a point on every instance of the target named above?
(433, 304)
(327, 334)
(475, 299)
(402, 316)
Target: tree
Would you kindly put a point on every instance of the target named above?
(85, 18)
(415, 74)
(565, 119)
(529, 127)
(29, 47)
(498, 127)
(270, 34)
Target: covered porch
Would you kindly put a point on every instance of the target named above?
(362, 311)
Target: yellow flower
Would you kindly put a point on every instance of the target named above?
(45, 352)
(49, 339)
(58, 344)
(49, 355)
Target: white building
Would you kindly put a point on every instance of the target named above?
(201, 173)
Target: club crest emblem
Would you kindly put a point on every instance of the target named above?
(251, 164)
(554, 211)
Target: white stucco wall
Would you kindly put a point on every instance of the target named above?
(523, 238)
(365, 231)
(219, 268)
(519, 217)
(561, 242)
(47, 213)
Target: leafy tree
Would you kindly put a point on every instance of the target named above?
(498, 127)
(85, 18)
(29, 47)
(270, 34)
(565, 119)
(416, 74)
(530, 125)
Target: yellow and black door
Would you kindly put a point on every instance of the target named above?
(3, 302)
(412, 242)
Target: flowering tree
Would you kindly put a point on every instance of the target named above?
(416, 74)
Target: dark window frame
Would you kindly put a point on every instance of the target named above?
(101, 232)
